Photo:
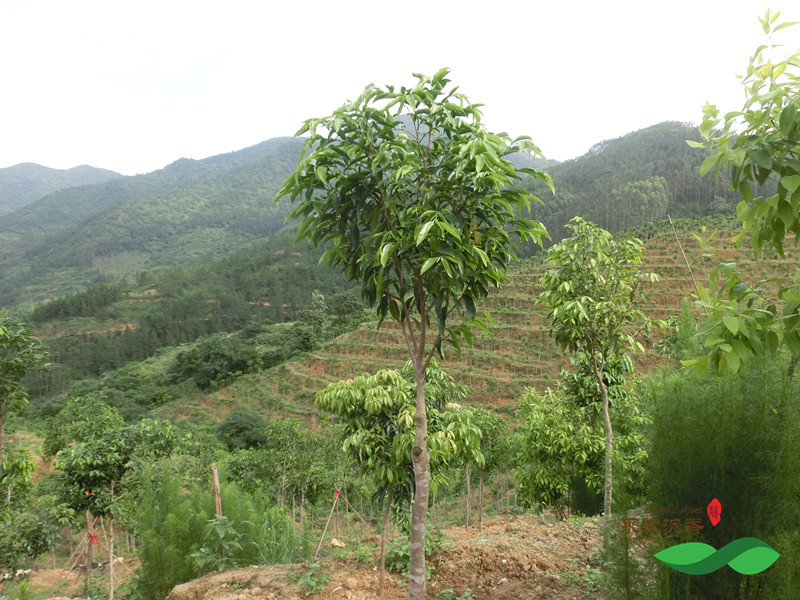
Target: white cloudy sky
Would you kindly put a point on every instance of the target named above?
(134, 85)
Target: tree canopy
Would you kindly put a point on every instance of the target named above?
(758, 144)
(20, 354)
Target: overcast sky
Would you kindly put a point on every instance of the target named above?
(134, 85)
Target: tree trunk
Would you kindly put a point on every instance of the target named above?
(3, 416)
(422, 480)
(346, 508)
(469, 493)
(384, 537)
(480, 502)
(607, 487)
(111, 549)
(302, 505)
(111, 559)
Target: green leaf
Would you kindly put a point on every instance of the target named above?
(791, 183)
(732, 359)
(423, 233)
(708, 163)
(784, 25)
(761, 158)
(429, 263)
(469, 305)
(732, 323)
(445, 226)
(386, 252)
(787, 119)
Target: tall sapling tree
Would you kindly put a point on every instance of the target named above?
(415, 195)
(593, 300)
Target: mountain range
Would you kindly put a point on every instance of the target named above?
(195, 211)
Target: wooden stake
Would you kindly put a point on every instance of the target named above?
(680, 247)
(217, 500)
(335, 500)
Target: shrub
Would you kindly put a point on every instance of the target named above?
(734, 438)
(182, 538)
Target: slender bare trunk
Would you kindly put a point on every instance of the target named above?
(480, 502)
(607, 488)
(302, 505)
(3, 415)
(469, 493)
(422, 478)
(111, 550)
(111, 562)
(217, 499)
(384, 538)
(346, 508)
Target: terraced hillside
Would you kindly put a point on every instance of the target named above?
(519, 351)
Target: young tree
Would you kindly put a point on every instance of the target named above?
(495, 448)
(592, 295)
(758, 144)
(559, 442)
(20, 354)
(415, 195)
(376, 412)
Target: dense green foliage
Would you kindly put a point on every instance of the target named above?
(559, 443)
(734, 438)
(20, 355)
(758, 144)
(183, 539)
(593, 297)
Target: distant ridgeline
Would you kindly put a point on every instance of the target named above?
(188, 213)
(195, 211)
(26, 183)
(631, 181)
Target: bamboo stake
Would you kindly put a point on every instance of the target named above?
(680, 247)
(335, 500)
(217, 500)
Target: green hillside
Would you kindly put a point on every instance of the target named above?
(633, 180)
(26, 183)
(188, 213)
(256, 303)
(107, 326)
(518, 352)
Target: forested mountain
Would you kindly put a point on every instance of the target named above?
(633, 180)
(26, 183)
(195, 211)
(189, 212)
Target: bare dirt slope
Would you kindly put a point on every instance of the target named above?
(527, 557)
